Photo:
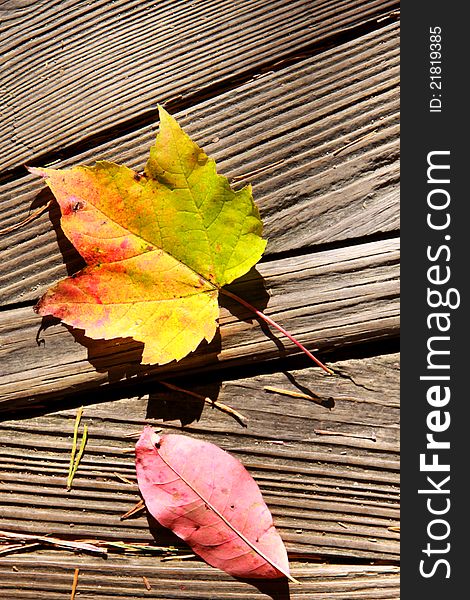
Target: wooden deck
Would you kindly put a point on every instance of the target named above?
(300, 99)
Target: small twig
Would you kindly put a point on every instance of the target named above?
(215, 403)
(343, 434)
(146, 583)
(256, 171)
(124, 479)
(176, 557)
(11, 548)
(394, 528)
(27, 220)
(356, 141)
(74, 583)
(137, 434)
(54, 542)
(276, 390)
(140, 547)
(134, 510)
(127, 450)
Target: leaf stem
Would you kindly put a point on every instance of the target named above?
(273, 323)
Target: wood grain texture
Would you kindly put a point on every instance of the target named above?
(300, 99)
(322, 155)
(328, 299)
(59, 90)
(332, 494)
(47, 577)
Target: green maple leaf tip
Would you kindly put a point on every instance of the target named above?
(158, 246)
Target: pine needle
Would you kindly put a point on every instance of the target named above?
(75, 457)
(80, 453)
(78, 418)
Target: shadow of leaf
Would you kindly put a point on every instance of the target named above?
(169, 405)
(253, 288)
(120, 358)
(325, 402)
(163, 536)
(73, 261)
(277, 589)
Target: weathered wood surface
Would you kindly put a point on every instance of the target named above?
(300, 99)
(75, 69)
(327, 299)
(47, 578)
(328, 467)
(307, 194)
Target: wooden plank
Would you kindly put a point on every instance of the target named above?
(48, 577)
(74, 69)
(312, 185)
(328, 299)
(332, 494)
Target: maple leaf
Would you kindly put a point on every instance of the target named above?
(158, 246)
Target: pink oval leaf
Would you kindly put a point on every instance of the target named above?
(208, 498)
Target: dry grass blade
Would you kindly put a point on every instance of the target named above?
(356, 141)
(256, 171)
(53, 542)
(142, 548)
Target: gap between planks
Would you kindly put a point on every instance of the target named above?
(329, 299)
(342, 493)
